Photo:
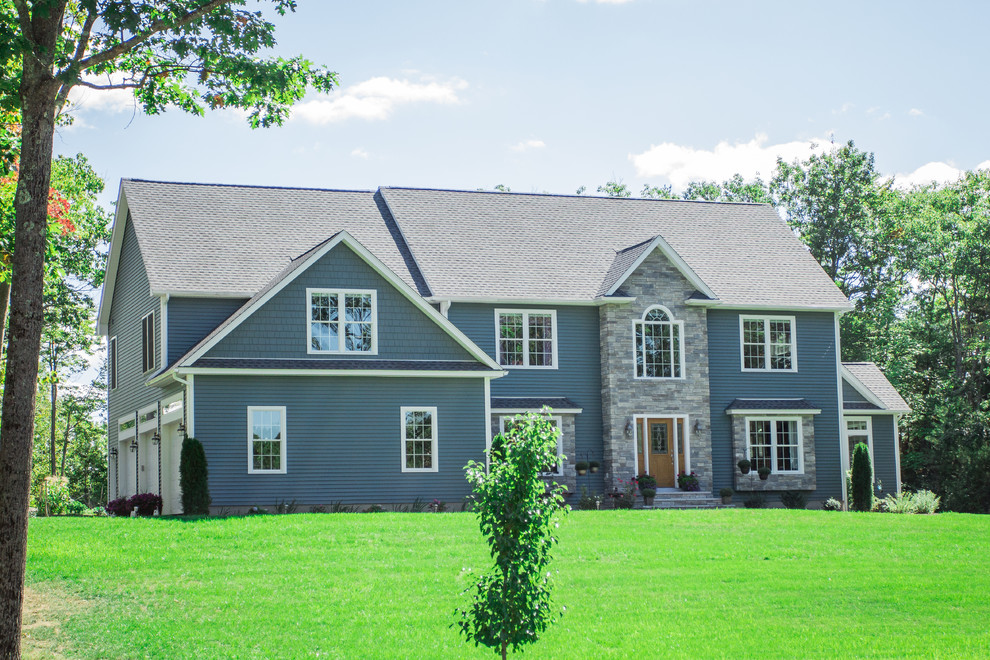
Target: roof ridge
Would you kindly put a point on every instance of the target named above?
(246, 185)
(571, 195)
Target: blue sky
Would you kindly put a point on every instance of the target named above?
(553, 95)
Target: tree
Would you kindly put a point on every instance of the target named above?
(615, 189)
(657, 192)
(194, 478)
(190, 54)
(862, 478)
(511, 604)
(735, 189)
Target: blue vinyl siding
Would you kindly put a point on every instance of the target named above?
(850, 395)
(343, 435)
(191, 319)
(884, 452)
(131, 303)
(816, 380)
(577, 377)
(278, 328)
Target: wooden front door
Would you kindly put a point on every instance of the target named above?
(656, 447)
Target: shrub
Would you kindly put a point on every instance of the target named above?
(193, 477)
(257, 511)
(76, 508)
(319, 508)
(375, 508)
(120, 507)
(589, 502)
(646, 482)
(755, 501)
(925, 501)
(145, 504)
(832, 504)
(794, 499)
(53, 497)
(862, 479)
(725, 492)
(338, 506)
(282, 507)
(436, 506)
(689, 482)
(648, 492)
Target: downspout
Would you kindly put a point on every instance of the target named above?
(897, 452)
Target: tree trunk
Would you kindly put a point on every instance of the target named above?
(38, 90)
(4, 298)
(54, 419)
(65, 438)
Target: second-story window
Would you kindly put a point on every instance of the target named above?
(342, 321)
(768, 343)
(526, 338)
(148, 342)
(659, 345)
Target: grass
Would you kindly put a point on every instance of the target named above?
(727, 583)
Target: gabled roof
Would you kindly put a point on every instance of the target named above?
(194, 355)
(867, 379)
(559, 247)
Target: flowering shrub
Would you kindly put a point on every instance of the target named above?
(436, 506)
(119, 507)
(146, 504)
(627, 498)
(689, 482)
(646, 482)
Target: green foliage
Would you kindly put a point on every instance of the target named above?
(725, 492)
(832, 504)
(656, 192)
(53, 497)
(922, 501)
(744, 465)
(755, 501)
(646, 481)
(589, 502)
(794, 499)
(615, 189)
(733, 190)
(516, 510)
(581, 466)
(193, 476)
(862, 479)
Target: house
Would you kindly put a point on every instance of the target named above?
(362, 346)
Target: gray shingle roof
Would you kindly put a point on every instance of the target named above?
(870, 376)
(204, 238)
(858, 405)
(564, 247)
(533, 403)
(234, 239)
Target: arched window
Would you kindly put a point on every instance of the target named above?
(659, 344)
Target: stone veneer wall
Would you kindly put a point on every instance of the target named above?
(568, 476)
(752, 481)
(655, 282)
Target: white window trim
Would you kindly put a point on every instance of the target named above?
(869, 434)
(766, 342)
(502, 419)
(340, 293)
(123, 434)
(680, 338)
(773, 440)
(526, 312)
(112, 365)
(403, 410)
(250, 448)
(151, 341)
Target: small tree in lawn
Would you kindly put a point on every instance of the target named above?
(862, 479)
(516, 512)
(193, 478)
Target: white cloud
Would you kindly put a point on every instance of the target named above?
(360, 153)
(681, 165)
(915, 112)
(526, 145)
(376, 99)
(107, 100)
(985, 165)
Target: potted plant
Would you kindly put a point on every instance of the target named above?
(593, 466)
(647, 488)
(689, 482)
(726, 495)
(744, 465)
(648, 495)
(764, 472)
(581, 467)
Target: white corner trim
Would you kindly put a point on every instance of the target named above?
(674, 258)
(434, 440)
(843, 444)
(488, 422)
(283, 442)
(164, 330)
(113, 262)
(897, 452)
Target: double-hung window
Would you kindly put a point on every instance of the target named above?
(508, 423)
(659, 345)
(775, 443)
(148, 342)
(526, 338)
(419, 439)
(341, 321)
(768, 343)
(266, 439)
(859, 430)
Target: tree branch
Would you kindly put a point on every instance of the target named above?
(156, 27)
(24, 15)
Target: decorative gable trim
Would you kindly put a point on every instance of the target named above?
(341, 238)
(659, 244)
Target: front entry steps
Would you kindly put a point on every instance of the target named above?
(673, 498)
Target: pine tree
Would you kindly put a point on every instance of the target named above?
(193, 478)
(862, 479)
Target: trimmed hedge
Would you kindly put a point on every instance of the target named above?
(193, 478)
(862, 479)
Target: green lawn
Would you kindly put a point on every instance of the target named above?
(686, 584)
